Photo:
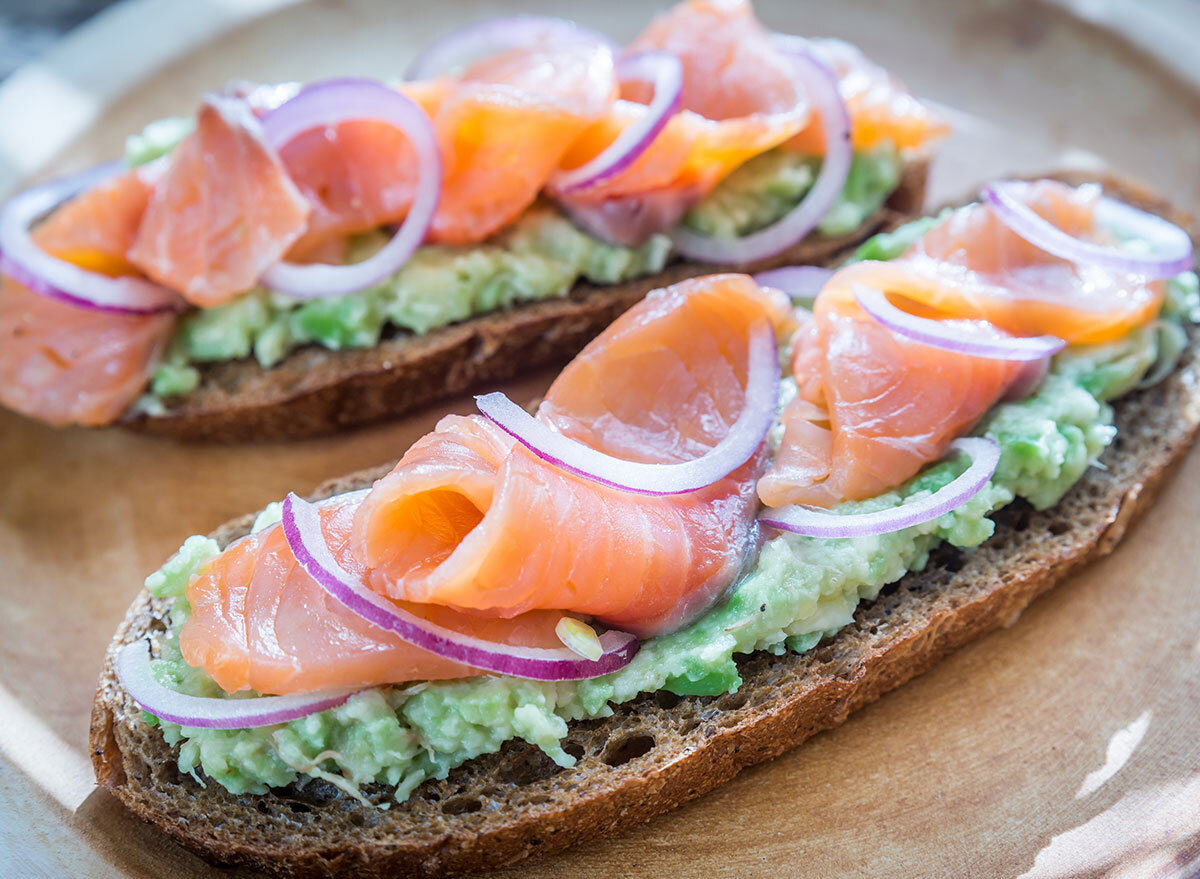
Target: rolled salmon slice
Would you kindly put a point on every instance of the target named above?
(475, 533)
(471, 520)
(259, 622)
(873, 408)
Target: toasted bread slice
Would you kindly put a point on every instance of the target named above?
(659, 750)
(316, 391)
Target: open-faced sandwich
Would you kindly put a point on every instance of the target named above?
(736, 516)
(293, 259)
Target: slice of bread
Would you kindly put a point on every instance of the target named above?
(658, 750)
(316, 391)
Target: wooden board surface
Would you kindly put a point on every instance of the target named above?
(1067, 744)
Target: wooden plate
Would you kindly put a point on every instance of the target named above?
(1068, 744)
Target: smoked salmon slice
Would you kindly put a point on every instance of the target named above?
(982, 269)
(471, 520)
(259, 622)
(739, 99)
(881, 110)
(357, 176)
(95, 228)
(873, 408)
(223, 211)
(63, 364)
(503, 126)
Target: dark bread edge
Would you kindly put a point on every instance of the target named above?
(316, 391)
(799, 703)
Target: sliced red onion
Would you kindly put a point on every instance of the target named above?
(496, 35)
(302, 528)
(814, 522)
(330, 103)
(666, 72)
(202, 712)
(821, 84)
(954, 336)
(744, 437)
(29, 265)
(800, 283)
(1172, 245)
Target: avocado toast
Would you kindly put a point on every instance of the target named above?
(666, 746)
(292, 260)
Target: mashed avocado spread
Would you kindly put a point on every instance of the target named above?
(541, 256)
(799, 591)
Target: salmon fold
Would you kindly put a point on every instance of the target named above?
(472, 520)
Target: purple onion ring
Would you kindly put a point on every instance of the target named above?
(813, 522)
(1173, 246)
(204, 712)
(735, 449)
(822, 86)
(330, 103)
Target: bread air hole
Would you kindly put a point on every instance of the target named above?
(461, 805)
(666, 699)
(623, 750)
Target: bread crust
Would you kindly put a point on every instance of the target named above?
(316, 391)
(656, 753)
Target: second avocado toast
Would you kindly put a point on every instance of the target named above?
(292, 261)
(808, 651)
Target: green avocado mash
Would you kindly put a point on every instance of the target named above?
(766, 187)
(799, 591)
(157, 139)
(541, 256)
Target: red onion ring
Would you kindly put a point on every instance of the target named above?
(202, 712)
(1173, 244)
(29, 265)
(735, 449)
(496, 35)
(812, 522)
(302, 528)
(330, 103)
(822, 86)
(953, 337)
(666, 72)
(800, 283)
